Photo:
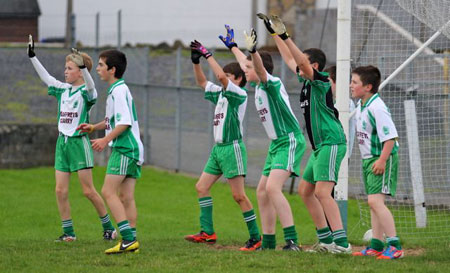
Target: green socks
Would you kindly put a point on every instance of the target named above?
(250, 219)
(269, 241)
(376, 244)
(394, 241)
(290, 234)
(340, 238)
(324, 235)
(206, 221)
(133, 231)
(67, 226)
(106, 223)
(125, 231)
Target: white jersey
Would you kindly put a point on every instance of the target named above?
(274, 109)
(352, 129)
(74, 102)
(374, 126)
(120, 110)
(230, 111)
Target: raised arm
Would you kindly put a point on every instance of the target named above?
(251, 42)
(42, 72)
(218, 71)
(282, 47)
(200, 78)
(77, 58)
(241, 58)
(301, 60)
(232, 46)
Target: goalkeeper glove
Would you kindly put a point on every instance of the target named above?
(279, 27)
(197, 46)
(30, 49)
(266, 21)
(229, 39)
(250, 40)
(77, 58)
(195, 56)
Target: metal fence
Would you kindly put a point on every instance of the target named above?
(175, 119)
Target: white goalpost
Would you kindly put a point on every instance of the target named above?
(409, 41)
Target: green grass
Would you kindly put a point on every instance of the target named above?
(168, 209)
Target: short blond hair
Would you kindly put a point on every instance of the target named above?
(86, 59)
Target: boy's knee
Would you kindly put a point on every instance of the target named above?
(322, 194)
(239, 198)
(303, 193)
(374, 204)
(201, 189)
(126, 198)
(106, 193)
(90, 194)
(260, 193)
(304, 190)
(61, 192)
(271, 189)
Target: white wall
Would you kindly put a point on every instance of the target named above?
(151, 21)
(322, 4)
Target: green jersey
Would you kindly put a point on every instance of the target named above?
(274, 109)
(230, 110)
(322, 119)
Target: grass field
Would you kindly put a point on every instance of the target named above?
(168, 209)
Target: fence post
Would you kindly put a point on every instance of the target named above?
(178, 112)
(119, 29)
(146, 119)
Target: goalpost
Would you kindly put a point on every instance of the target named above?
(409, 40)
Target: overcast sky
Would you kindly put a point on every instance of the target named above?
(150, 21)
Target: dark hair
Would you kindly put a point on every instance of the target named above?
(369, 75)
(236, 70)
(117, 59)
(331, 70)
(266, 59)
(316, 55)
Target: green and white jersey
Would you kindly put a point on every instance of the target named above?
(374, 126)
(74, 102)
(230, 110)
(321, 117)
(120, 110)
(274, 109)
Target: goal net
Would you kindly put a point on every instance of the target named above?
(385, 34)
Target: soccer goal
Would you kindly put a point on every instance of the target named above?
(409, 41)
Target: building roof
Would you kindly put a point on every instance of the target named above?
(19, 9)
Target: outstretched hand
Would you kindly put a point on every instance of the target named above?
(251, 40)
(77, 58)
(197, 46)
(86, 128)
(266, 21)
(195, 56)
(279, 27)
(99, 144)
(229, 39)
(30, 49)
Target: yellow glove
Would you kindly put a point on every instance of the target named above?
(250, 40)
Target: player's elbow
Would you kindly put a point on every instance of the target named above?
(222, 78)
(201, 83)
